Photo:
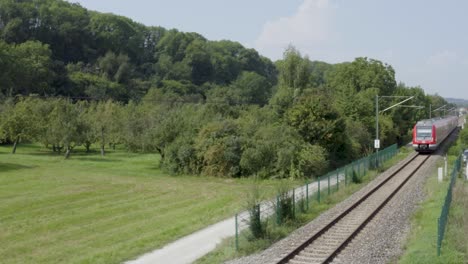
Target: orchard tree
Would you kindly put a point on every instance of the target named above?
(42, 109)
(105, 123)
(64, 125)
(17, 121)
(85, 135)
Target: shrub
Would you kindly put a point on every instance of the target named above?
(355, 178)
(285, 210)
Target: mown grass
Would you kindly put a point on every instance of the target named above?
(227, 249)
(93, 209)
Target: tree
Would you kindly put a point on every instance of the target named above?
(198, 59)
(319, 123)
(293, 77)
(84, 135)
(117, 34)
(17, 122)
(363, 74)
(6, 70)
(115, 68)
(97, 87)
(25, 68)
(105, 123)
(252, 88)
(64, 125)
(218, 146)
(33, 63)
(293, 70)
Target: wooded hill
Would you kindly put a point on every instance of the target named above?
(58, 48)
(208, 107)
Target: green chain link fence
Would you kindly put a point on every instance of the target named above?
(442, 220)
(286, 206)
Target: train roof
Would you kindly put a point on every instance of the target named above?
(430, 122)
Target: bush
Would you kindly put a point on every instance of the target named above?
(257, 227)
(218, 146)
(355, 178)
(179, 156)
(312, 161)
(285, 210)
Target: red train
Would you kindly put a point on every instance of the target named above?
(428, 134)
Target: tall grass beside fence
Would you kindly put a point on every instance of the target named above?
(442, 220)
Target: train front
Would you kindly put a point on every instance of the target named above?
(424, 137)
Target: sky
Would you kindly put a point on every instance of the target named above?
(424, 41)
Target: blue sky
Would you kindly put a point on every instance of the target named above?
(425, 41)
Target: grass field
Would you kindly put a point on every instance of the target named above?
(92, 209)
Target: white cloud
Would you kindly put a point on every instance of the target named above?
(444, 58)
(308, 27)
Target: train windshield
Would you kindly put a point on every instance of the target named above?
(424, 132)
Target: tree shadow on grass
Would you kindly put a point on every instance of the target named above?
(96, 159)
(42, 153)
(12, 166)
(81, 155)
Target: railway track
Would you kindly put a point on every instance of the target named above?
(324, 245)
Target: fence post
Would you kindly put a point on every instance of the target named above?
(328, 183)
(237, 233)
(353, 166)
(367, 164)
(294, 203)
(318, 190)
(337, 179)
(360, 167)
(278, 208)
(346, 175)
(307, 196)
(438, 237)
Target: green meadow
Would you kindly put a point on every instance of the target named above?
(93, 209)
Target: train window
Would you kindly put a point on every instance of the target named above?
(424, 132)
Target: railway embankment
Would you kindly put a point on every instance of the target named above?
(382, 240)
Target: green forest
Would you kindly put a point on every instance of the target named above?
(71, 77)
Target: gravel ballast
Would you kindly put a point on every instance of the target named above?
(381, 241)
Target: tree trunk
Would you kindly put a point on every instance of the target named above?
(67, 153)
(59, 149)
(87, 146)
(14, 145)
(102, 142)
(53, 148)
(160, 152)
